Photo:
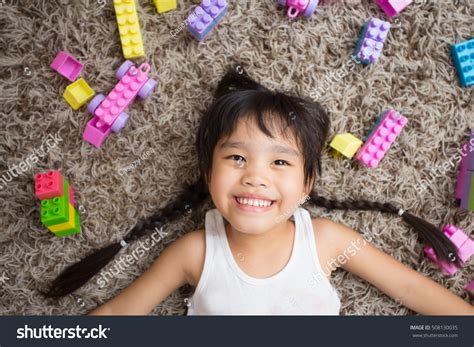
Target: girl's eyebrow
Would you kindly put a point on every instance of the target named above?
(273, 148)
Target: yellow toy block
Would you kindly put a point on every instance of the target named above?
(78, 93)
(346, 144)
(165, 5)
(66, 225)
(129, 29)
(76, 229)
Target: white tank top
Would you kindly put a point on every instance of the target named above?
(300, 288)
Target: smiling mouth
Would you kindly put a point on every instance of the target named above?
(259, 203)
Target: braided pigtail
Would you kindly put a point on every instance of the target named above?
(442, 246)
(76, 275)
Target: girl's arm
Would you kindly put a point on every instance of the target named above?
(172, 269)
(400, 282)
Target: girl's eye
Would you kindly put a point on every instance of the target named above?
(236, 157)
(280, 162)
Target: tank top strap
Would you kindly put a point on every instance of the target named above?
(307, 241)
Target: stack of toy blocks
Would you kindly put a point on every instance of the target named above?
(465, 184)
(463, 243)
(393, 7)
(129, 28)
(295, 7)
(346, 144)
(79, 92)
(386, 129)
(206, 17)
(165, 5)
(371, 41)
(463, 56)
(57, 204)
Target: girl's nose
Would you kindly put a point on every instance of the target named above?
(254, 177)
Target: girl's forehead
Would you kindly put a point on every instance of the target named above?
(247, 130)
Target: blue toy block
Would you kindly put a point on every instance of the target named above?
(463, 56)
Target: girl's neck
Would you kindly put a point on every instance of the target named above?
(260, 242)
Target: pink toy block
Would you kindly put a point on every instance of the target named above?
(49, 185)
(470, 289)
(66, 65)
(393, 7)
(108, 111)
(462, 242)
(381, 138)
(296, 7)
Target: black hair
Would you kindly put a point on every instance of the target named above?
(238, 96)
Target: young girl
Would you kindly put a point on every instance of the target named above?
(259, 156)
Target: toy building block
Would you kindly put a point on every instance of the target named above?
(393, 7)
(108, 112)
(56, 210)
(71, 195)
(463, 56)
(371, 41)
(465, 183)
(206, 17)
(296, 7)
(67, 66)
(462, 171)
(470, 289)
(75, 229)
(70, 227)
(78, 93)
(387, 128)
(346, 144)
(165, 5)
(129, 28)
(49, 185)
(462, 242)
(467, 198)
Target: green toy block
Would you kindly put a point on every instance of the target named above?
(470, 201)
(56, 210)
(72, 231)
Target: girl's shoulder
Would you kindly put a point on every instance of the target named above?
(193, 246)
(330, 238)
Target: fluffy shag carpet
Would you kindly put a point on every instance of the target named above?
(415, 75)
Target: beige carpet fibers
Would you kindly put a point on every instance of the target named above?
(415, 75)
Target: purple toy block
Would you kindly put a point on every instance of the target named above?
(467, 197)
(206, 17)
(393, 7)
(66, 65)
(381, 138)
(470, 289)
(462, 170)
(462, 242)
(371, 41)
(109, 110)
(470, 154)
(296, 7)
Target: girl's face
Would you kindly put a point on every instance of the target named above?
(257, 182)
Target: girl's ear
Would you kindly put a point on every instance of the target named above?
(309, 186)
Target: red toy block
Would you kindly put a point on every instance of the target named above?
(49, 185)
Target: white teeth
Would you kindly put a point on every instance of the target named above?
(254, 202)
